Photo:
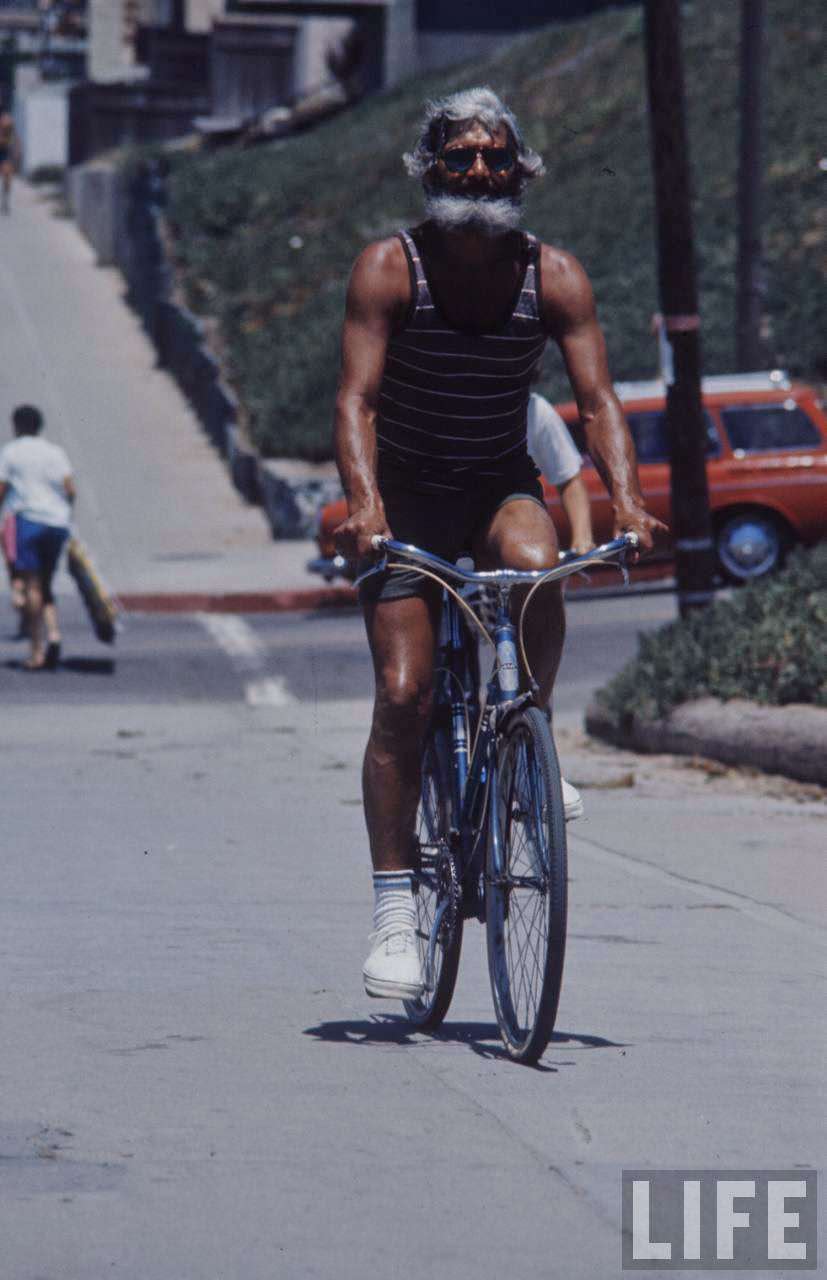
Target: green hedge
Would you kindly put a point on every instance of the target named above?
(266, 236)
(766, 643)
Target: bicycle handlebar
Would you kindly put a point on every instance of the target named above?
(570, 561)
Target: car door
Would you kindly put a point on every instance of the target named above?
(778, 462)
(648, 428)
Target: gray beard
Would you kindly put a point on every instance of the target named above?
(458, 213)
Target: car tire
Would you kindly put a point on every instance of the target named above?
(750, 544)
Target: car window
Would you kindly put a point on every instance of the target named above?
(649, 434)
(753, 428)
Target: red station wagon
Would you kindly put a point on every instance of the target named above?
(766, 468)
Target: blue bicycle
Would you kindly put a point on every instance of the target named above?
(490, 837)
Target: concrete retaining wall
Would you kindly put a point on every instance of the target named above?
(95, 195)
(791, 740)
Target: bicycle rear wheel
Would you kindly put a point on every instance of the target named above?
(435, 886)
(525, 887)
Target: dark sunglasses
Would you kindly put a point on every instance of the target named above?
(461, 159)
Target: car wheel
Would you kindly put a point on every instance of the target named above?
(749, 545)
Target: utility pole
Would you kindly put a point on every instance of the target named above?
(691, 523)
(750, 272)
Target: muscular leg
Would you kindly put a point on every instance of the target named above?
(521, 535)
(402, 635)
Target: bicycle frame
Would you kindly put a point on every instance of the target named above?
(474, 766)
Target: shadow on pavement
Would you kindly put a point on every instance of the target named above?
(482, 1038)
(80, 666)
(89, 666)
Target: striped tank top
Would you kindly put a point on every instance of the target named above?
(452, 403)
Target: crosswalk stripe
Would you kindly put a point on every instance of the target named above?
(271, 692)
(247, 654)
(236, 638)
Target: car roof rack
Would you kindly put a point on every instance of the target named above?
(653, 388)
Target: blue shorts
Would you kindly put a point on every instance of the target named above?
(38, 548)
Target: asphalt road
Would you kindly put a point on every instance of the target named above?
(193, 1084)
(217, 658)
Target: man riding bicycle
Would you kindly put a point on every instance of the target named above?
(444, 328)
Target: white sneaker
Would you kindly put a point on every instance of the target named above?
(393, 970)
(572, 801)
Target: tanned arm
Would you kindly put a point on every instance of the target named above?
(377, 298)
(571, 318)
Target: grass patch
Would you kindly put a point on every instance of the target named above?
(266, 237)
(765, 643)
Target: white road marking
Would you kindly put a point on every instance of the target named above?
(271, 692)
(236, 638)
(247, 654)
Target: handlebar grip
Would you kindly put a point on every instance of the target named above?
(377, 542)
(632, 539)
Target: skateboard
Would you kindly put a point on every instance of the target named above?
(100, 605)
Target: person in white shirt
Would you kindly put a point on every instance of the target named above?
(36, 481)
(558, 457)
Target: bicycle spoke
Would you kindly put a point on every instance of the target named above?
(527, 902)
(430, 887)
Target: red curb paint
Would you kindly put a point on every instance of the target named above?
(329, 597)
(238, 601)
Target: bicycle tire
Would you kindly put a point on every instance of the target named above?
(525, 906)
(433, 823)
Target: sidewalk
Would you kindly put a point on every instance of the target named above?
(155, 506)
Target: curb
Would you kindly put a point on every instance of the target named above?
(305, 599)
(238, 601)
(790, 740)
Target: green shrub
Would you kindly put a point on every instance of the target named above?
(766, 642)
(266, 236)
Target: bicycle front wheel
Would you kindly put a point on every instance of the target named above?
(525, 886)
(436, 892)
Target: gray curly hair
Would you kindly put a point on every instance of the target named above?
(481, 104)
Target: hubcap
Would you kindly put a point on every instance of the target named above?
(749, 547)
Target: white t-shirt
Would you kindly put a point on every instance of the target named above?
(34, 470)
(549, 442)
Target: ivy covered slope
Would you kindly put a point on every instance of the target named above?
(266, 236)
(765, 643)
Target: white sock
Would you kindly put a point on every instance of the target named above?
(393, 900)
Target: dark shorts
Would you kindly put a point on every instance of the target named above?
(443, 523)
(38, 549)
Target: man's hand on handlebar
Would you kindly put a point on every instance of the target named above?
(353, 536)
(631, 517)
